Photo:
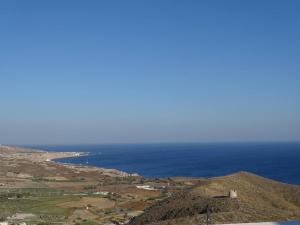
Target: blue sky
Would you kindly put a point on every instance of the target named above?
(149, 71)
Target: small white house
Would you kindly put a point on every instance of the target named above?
(146, 187)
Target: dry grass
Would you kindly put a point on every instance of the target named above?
(98, 203)
(259, 199)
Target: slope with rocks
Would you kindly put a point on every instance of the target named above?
(259, 199)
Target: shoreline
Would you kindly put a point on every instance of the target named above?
(100, 194)
(36, 155)
(45, 158)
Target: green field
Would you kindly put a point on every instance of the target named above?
(43, 207)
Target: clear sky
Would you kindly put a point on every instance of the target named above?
(149, 71)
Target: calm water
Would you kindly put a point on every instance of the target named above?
(279, 161)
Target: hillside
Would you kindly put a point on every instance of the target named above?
(44, 191)
(259, 199)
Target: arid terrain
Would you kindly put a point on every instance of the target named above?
(36, 190)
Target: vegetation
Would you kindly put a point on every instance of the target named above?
(35, 205)
(259, 199)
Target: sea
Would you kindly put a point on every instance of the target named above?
(278, 161)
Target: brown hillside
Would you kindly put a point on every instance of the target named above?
(259, 199)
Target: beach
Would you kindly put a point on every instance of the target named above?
(35, 189)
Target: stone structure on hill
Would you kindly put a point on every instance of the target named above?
(232, 194)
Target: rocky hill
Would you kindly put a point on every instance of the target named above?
(259, 199)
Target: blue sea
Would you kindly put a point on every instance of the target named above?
(279, 161)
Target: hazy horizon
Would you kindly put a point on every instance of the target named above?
(148, 143)
(74, 72)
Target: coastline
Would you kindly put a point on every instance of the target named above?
(45, 158)
(36, 155)
(101, 195)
